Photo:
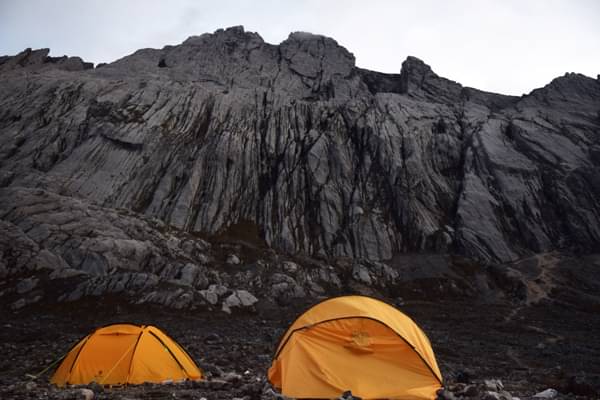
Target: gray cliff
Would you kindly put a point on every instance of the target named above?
(296, 143)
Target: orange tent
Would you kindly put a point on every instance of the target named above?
(359, 344)
(126, 354)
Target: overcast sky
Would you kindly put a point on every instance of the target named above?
(505, 46)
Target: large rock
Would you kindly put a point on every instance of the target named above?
(57, 248)
(285, 288)
(546, 394)
(320, 156)
(239, 299)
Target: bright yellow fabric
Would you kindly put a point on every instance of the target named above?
(355, 343)
(64, 368)
(182, 356)
(125, 354)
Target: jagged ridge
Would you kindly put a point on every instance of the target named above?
(321, 156)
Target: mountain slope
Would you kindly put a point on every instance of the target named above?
(316, 155)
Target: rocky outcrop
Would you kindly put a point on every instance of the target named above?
(38, 60)
(318, 156)
(57, 249)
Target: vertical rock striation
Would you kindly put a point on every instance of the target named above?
(322, 157)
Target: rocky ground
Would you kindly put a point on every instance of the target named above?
(68, 266)
(528, 350)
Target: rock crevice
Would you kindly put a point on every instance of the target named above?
(323, 157)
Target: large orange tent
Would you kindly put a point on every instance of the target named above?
(359, 344)
(126, 354)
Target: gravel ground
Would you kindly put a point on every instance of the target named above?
(529, 349)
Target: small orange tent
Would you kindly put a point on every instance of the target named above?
(126, 354)
(359, 344)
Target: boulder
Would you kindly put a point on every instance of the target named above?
(445, 394)
(213, 293)
(494, 385)
(232, 259)
(239, 299)
(546, 394)
(26, 285)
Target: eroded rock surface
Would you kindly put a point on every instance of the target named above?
(323, 157)
(58, 249)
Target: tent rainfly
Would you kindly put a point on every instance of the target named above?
(359, 344)
(126, 354)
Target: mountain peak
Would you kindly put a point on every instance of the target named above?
(418, 79)
(414, 71)
(40, 58)
(303, 36)
(235, 30)
(231, 34)
(412, 61)
(311, 55)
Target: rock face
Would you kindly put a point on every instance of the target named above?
(58, 249)
(316, 155)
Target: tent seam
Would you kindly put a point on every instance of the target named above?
(133, 354)
(171, 353)
(187, 354)
(77, 356)
(440, 380)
